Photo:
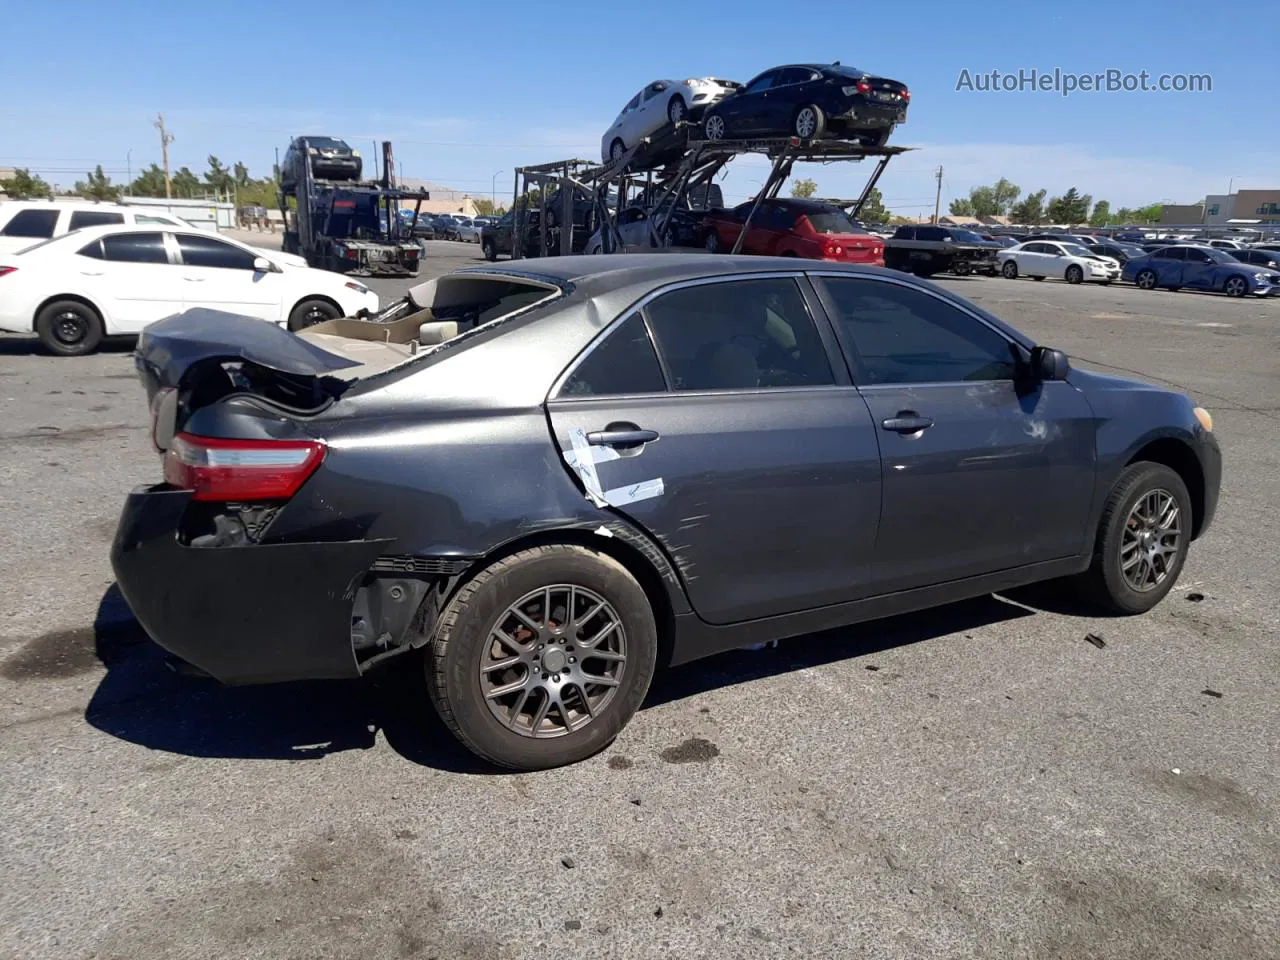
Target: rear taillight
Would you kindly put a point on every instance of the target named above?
(832, 250)
(163, 415)
(906, 94)
(5, 271)
(240, 470)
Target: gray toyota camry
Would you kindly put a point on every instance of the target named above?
(540, 481)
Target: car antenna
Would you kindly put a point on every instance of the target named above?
(836, 63)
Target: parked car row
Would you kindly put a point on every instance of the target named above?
(811, 101)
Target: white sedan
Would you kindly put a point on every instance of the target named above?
(660, 103)
(73, 290)
(1062, 261)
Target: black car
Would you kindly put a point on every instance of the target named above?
(498, 239)
(811, 101)
(330, 159)
(1122, 253)
(1257, 256)
(590, 467)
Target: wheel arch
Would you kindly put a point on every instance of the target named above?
(78, 298)
(323, 297)
(643, 559)
(1178, 456)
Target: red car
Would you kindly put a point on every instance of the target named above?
(793, 228)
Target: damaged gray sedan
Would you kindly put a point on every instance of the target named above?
(539, 482)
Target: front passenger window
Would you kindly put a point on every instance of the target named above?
(903, 335)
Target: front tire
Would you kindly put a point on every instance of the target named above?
(1010, 270)
(616, 150)
(676, 109)
(1074, 274)
(489, 249)
(713, 127)
(1142, 540)
(542, 658)
(1235, 286)
(1146, 280)
(809, 123)
(310, 312)
(712, 243)
(69, 328)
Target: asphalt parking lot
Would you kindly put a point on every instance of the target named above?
(976, 781)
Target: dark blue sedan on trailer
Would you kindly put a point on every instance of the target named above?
(1199, 268)
(811, 101)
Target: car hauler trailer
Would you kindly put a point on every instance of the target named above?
(672, 171)
(353, 226)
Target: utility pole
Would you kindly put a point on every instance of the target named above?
(128, 162)
(166, 138)
(937, 200)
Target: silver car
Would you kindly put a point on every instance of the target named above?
(469, 230)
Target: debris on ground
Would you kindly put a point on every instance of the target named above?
(658, 913)
(568, 863)
(1211, 693)
(573, 924)
(693, 750)
(1195, 597)
(1096, 640)
(871, 666)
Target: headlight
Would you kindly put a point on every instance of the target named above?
(355, 153)
(1262, 277)
(1206, 421)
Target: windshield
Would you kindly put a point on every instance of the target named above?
(967, 236)
(326, 143)
(832, 221)
(845, 70)
(1076, 250)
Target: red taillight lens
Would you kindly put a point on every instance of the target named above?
(5, 271)
(832, 250)
(248, 470)
(906, 94)
(864, 87)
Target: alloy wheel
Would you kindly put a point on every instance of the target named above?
(1151, 540)
(1235, 287)
(806, 123)
(676, 112)
(1146, 280)
(715, 127)
(553, 661)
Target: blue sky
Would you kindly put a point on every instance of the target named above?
(479, 88)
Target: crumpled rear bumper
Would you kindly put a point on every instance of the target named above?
(244, 614)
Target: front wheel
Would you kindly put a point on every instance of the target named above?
(1010, 270)
(489, 249)
(1145, 280)
(616, 150)
(310, 312)
(1235, 286)
(1142, 539)
(712, 243)
(676, 109)
(1074, 274)
(69, 328)
(713, 127)
(543, 657)
(810, 122)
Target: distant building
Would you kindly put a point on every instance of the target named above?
(443, 199)
(1244, 207)
(1182, 213)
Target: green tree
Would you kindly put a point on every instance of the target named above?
(186, 184)
(484, 208)
(982, 200)
(804, 188)
(148, 183)
(1030, 209)
(1005, 194)
(1149, 213)
(874, 211)
(1069, 208)
(241, 174)
(1101, 214)
(97, 187)
(961, 207)
(218, 177)
(23, 186)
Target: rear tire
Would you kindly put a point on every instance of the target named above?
(1105, 583)
(1010, 270)
(69, 328)
(712, 243)
(809, 123)
(489, 249)
(507, 730)
(312, 311)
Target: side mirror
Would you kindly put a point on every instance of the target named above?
(1049, 364)
(262, 265)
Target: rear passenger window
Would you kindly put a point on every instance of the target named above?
(94, 218)
(624, 362)
(32, 223)
(134, 248)
(739, 335)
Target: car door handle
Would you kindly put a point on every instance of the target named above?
(194, 279)
(907, 421)
(90, 273)
(618, 437)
